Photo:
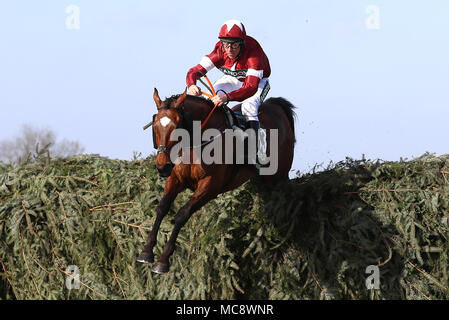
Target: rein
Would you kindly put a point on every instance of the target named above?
(211, 89)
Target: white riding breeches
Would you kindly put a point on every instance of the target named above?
(250, 106)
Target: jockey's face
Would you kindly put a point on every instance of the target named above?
(232, 50)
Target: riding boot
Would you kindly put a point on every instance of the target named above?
(254, 124)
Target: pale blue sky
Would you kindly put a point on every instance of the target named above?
(379, 92)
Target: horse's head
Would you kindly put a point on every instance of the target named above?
(169, 117)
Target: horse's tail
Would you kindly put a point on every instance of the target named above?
(288, 107)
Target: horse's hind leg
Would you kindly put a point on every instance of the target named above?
(202, 195)
(172, 188)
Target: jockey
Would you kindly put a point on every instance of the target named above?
(246, 70)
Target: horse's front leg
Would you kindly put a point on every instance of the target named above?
(172, 188)
(202, 195)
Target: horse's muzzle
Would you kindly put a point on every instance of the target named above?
(165, 170)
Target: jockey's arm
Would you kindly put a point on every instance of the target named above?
(206, 64)
(192, 77)
(248, 89)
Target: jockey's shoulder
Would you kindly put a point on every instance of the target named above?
(250, 42)
(250, 39)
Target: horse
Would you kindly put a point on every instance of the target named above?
(206, 181)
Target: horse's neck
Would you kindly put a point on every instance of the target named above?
(200, 111)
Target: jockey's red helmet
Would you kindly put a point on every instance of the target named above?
(232, 29)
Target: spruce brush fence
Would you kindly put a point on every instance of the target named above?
(311, 238)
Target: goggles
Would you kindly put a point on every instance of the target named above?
(230, 44)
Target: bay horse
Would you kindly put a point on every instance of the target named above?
(206, 181)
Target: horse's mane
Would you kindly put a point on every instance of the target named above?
(200, 99)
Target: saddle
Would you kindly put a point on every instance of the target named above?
(235, 119)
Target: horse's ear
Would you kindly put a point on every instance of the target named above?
(156, 98)
(181, 99)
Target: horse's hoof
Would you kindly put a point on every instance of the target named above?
(160, 268)
(145, 257)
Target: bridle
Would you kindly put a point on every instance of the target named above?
(185, 123)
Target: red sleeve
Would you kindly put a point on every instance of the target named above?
(215, 58)
(248, 89)
(251, 82)
(192, 74)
